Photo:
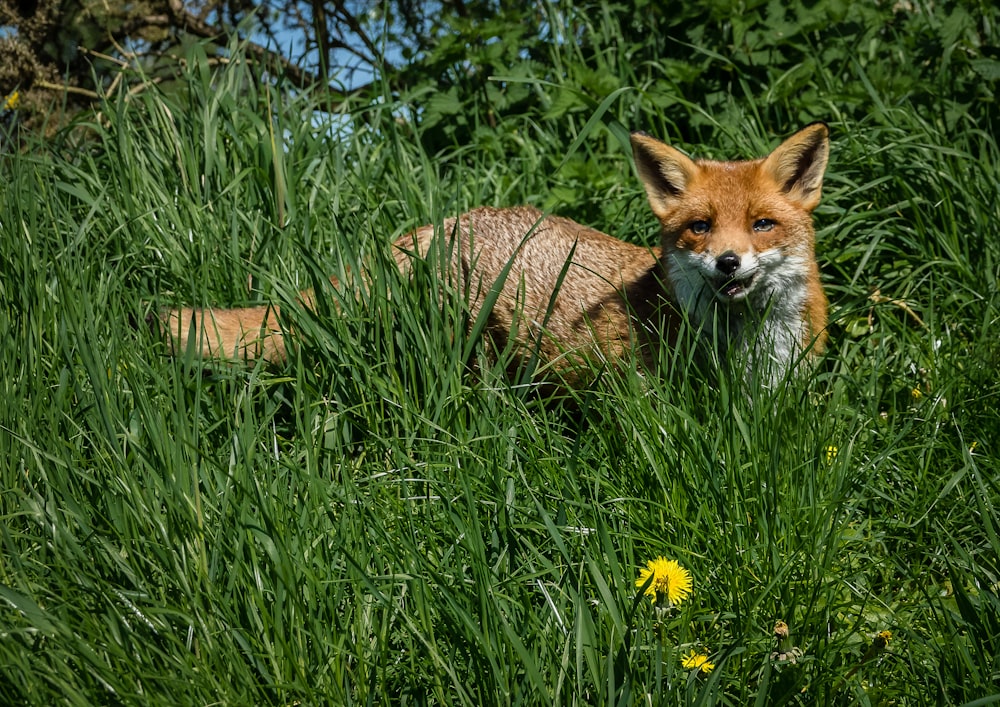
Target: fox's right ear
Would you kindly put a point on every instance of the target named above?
(664, 171)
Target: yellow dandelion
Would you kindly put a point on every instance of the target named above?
(697, 661)
(831, 453)
(13, 100)
(671, 583)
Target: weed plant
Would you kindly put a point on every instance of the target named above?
(392, 517)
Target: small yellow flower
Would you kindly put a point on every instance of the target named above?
(831, 453)
(671, 583)
(916, 394)
(13, 100)
(882, 639)
(697, 661)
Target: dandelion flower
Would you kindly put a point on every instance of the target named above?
(697, 661)
(671, 583)
(786, 652)
(12, 101)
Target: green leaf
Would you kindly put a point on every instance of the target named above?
(989, 69)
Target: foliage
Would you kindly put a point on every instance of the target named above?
(386, 518)
(783, 61)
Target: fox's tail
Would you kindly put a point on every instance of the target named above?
(246, 333)
(250, 333)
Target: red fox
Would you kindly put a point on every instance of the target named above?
(737, 263)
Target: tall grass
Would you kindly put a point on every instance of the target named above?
(388, 519)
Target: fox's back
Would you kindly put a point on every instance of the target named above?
(566, 290)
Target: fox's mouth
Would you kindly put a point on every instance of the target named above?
(734, 289)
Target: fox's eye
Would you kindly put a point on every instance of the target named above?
(762, 225)
(700, 227)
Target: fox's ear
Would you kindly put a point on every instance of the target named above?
(664, 171)
(798, 163)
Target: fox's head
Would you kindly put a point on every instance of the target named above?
(737, 233)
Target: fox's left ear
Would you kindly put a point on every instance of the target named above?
(798, 163)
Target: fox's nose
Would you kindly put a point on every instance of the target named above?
(727, 263)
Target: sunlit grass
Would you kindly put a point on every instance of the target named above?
(386, 519)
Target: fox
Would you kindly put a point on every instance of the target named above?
(736, 263)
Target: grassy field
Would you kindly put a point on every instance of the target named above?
(374, 523)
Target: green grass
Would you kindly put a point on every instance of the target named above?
(375, 522)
